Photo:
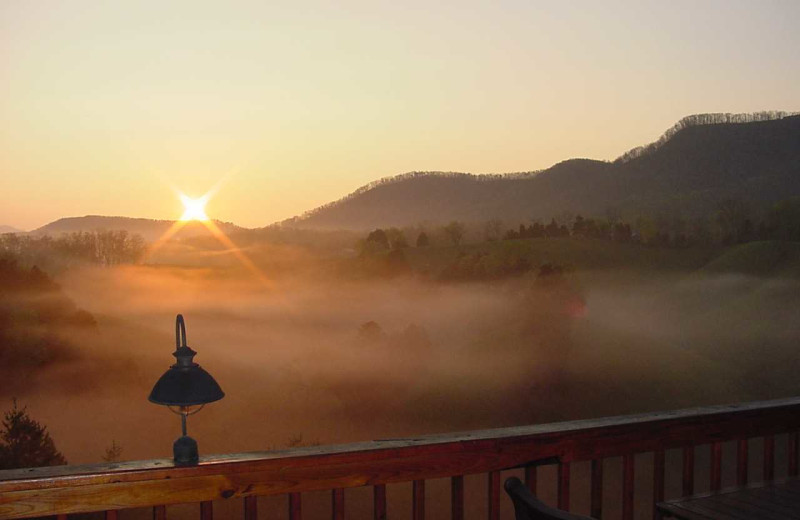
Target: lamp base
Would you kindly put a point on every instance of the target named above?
(184, 450)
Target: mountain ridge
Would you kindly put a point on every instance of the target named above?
(149, 229)
(699, 161)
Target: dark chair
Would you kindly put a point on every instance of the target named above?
(528, 507)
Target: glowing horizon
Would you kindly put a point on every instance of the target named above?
(101, 102)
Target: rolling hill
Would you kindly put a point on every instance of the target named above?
(702, 160)
(149, 229)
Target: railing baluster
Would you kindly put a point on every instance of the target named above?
(563, 486)
(295, 506)
(530, 478)
(741, 462)
(111, 515)
(716, 466)
(457, 498)
(658, 481)
(61, 517)
(688, 470)
(379, 501)
(792, 453)
(251, 508)
(769, 457)
(337, 504)
(418, 511)
(596, 507)
(627, 486)
(159, 513)
(206, 510)
(494, 495)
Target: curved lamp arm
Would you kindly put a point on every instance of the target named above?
(180, 332)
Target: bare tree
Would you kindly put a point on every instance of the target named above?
(455, 232)
(493, 230)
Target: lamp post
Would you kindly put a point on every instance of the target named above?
(185, 388)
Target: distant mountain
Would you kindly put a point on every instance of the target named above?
(9, 229)
(700, 161)
(149, 229)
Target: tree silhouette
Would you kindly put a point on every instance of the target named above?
(113, 453)
(423, 240)
(455, 232)
(24, 443)
(379, 237)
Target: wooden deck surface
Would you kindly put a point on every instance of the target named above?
(766, 501)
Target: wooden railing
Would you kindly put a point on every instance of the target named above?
(158, 483)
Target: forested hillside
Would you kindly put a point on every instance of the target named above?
(701, 161)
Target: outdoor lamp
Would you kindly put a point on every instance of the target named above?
(185, 388)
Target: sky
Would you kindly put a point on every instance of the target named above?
(109, 107)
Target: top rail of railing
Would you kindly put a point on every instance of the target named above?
(71, 489)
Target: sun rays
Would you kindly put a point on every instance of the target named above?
(195, 211)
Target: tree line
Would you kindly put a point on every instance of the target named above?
(106, 248)
(701, 120)
(731, 222)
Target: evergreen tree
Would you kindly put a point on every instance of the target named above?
(24, 443)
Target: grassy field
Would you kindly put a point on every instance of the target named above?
(764, 259)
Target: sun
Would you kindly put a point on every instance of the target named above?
(194, 209)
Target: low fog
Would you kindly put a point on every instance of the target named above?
(325, 358)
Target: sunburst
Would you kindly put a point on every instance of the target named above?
(194, 209)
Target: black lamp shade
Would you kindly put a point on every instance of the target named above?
(186, 386)
(185, 383)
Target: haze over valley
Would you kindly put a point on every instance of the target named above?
(386, 220)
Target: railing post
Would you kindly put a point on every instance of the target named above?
(379, 501)
(563, 486)
(206, 510)
(688, 470)
(715, 475)
(596, 507)
(457, 497)
(741, 462)
(418, 498)
(769, 457)
(627, 486)
(295, 506)
(337, 504)
(530, 478)
(658, 481)
(494, 495)
(251, 508)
